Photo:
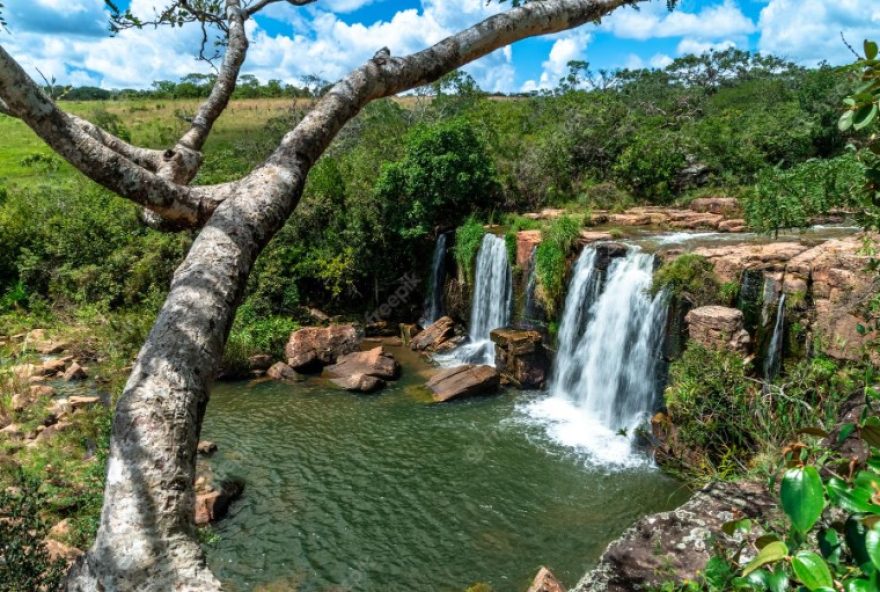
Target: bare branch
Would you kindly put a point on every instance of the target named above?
(261, 4)
(224, 86)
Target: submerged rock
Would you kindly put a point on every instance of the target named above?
(206, 447)
(310, 348)
(520, 357)
(361, 383)
(718, 327)
(442, 330)
(281, 371)
(260, 362)
(545, 581)
(675, 546)
(213, 504)
(464, 381)
(75, 372)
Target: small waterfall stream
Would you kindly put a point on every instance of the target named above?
(490, 304)
(605, 376)
(434, 305)
(530, 306)
(774, 350)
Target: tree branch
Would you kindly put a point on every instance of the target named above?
(261, 4)
(179, 205)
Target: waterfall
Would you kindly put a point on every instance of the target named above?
(530, 309)
(490, 305)
(434, 304)
(604, 380)
(774, 351)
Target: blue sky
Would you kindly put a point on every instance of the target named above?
(68, 39)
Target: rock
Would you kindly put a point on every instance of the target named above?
(408, 331)
(676, 545)
(520, 357)
(60, 531)
(51, 367)
(319, 315)
(605, 252)
(45, 432)
(12, 432)
(206, 447)
(434, 335)
(587, 237)
(694, 221)
(464, 381)
(260, 362)
(545, 214)
(362, 383)
(81, 402)
(48, 348)
(451, 344)
(75, 372)
(24, 372)
(19, 402)
(281, 371)
(41, 390)
(379, 329)
(545, 581)
(731, 260)
(214, 504)
(311, 348)
(526, 241)
(630, 219)
(734, 225)
(58, 551)
(718, 327)
(726, 206)
(375, 362)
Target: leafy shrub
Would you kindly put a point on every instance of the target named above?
(788, 198)
(550, 259)
(650, 164)
(251, 335)
(691, 277)
(25, 564)
(468, 238)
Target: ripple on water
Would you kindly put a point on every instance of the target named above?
(387, 493)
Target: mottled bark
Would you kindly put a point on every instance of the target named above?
(145, 541)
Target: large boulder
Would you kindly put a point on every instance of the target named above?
(364, 371)
(520, 357)
(442, 330)
(213, 503)
(281, 371)
(311, 348)
(718, 327)
(675, 546)
(375, 362)
(464, 381)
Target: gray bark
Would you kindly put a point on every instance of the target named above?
(146, 537)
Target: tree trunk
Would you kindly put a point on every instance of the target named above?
(146, 538)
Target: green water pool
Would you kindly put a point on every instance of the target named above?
(389, 492)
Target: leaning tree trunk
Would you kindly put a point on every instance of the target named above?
(146, 538)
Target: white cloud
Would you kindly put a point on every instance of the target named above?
(660, 60)
(566, 48)
(808, 31)
(651, 21)
(688, 45)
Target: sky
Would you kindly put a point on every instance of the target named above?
(69, 40)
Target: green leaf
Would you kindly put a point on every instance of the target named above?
(846, 430)
(777, 581)
(846, 121)
(870, 50)
(829, 545)
(864, 116)
(803, 497)
(765, 539)
(769, 554)
(872, 545)
(871, 431)
(859, 585)
(854, 500)
(812, 570)
(855, 531)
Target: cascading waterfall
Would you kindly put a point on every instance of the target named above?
(434, 304)
(490, 305)
(605, 377)
(774, 350)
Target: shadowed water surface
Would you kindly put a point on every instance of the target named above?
(388, 492)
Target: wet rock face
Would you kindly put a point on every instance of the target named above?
(520, 357)
(311, 348)
(718, 327)
(464, 381)
(676, 545)
(434, 335)
(526, 241)
(545, 581)
(212, 503)
(730, 261)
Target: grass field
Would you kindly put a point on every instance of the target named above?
(151, 123)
